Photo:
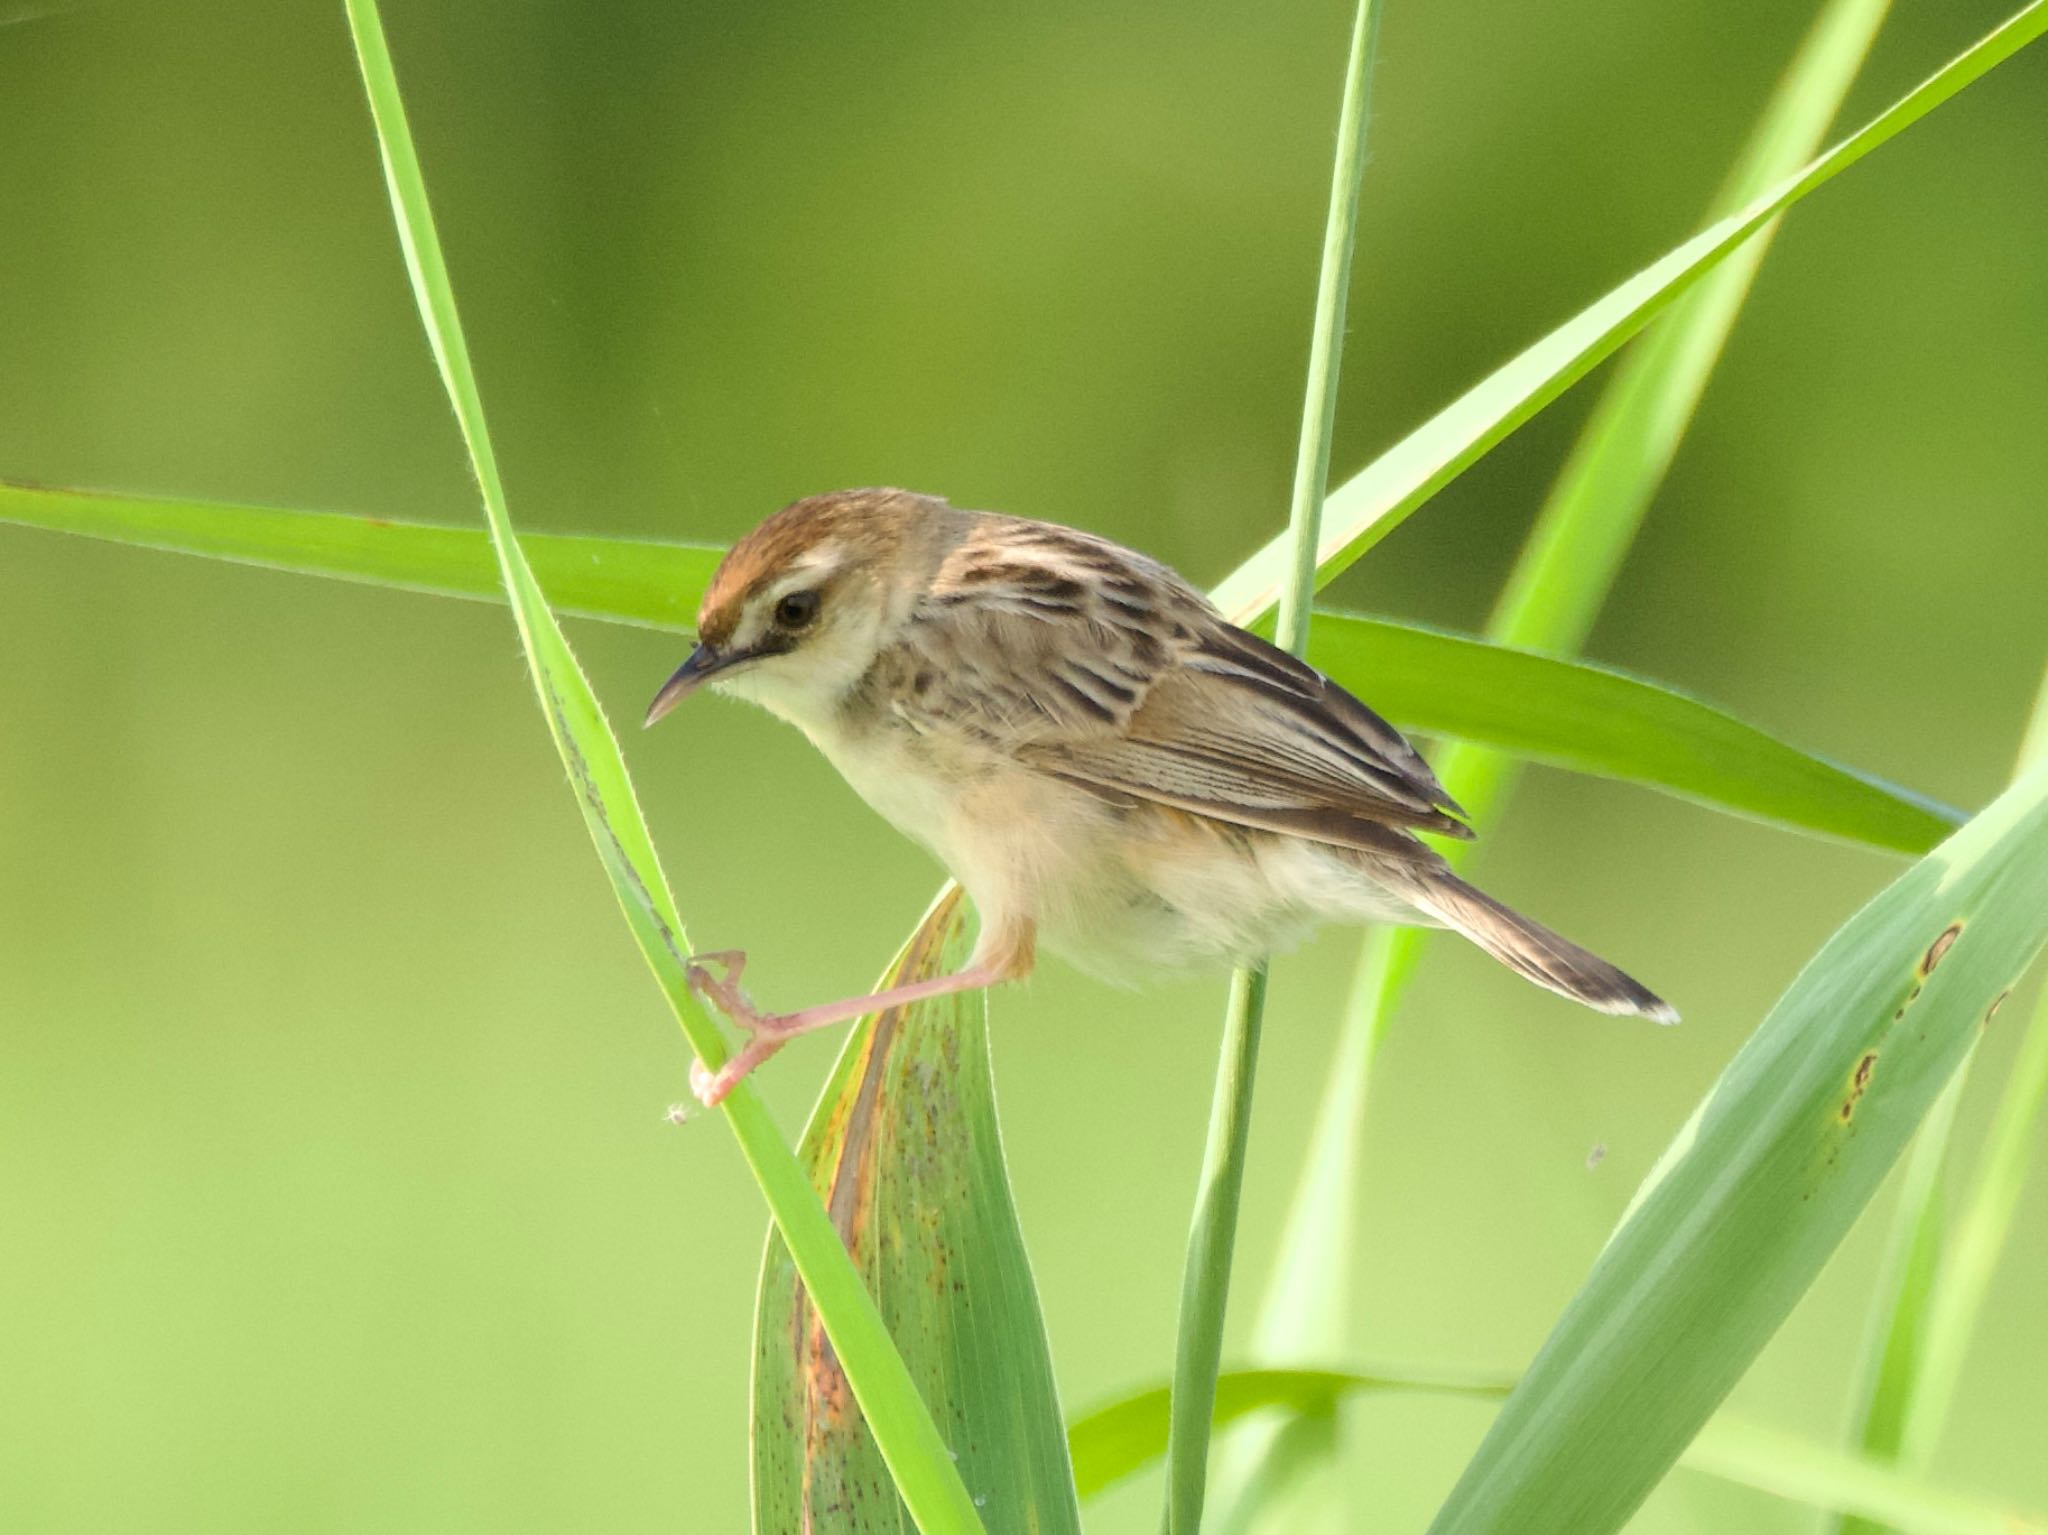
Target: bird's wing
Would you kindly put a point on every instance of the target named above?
(1099, 666)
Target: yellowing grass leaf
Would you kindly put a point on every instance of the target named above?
(903, 1150)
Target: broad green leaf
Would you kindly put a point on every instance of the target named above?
(1123, 1437)
(1377, 500)
(877, 1378)
(1589, 719)
(1556, 589)
(904, 1151)
(1763, 1183)
(1929, 1299)
(1597, 720)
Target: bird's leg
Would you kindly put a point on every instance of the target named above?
(771, 1031)
(992, 962)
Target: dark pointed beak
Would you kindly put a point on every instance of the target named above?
(704, 662)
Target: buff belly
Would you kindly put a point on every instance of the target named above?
(1116, 886)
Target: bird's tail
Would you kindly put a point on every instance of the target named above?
(1526, 947)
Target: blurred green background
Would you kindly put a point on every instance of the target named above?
(335, 1191)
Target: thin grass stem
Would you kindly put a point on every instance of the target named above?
(1205, 1285)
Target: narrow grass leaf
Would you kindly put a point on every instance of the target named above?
(1556, 589)
(1801, 1471)
(1976, 1242)
(1763, 1183)
(917, 1456)
(1122, 1437)
(904, 1150)
(1375, 501)
(626, 580)
(1598, 720)
(1569, 714)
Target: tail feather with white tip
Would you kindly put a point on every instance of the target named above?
(1524, 945)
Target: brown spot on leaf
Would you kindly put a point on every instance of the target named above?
(1859, 1084)
(1939, 947)
(1997, 1002)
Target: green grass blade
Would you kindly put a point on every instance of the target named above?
(1763, 1183)
(917, 1455)
(904, 1150)
(1122, 1437)
(1593, 719)
(1977, 1239)
(1892, 1361)
(1980, 1233)
(1571, 715)
(1554, 593)
(625, 580)
(1772, 1461)
(1212, 1238)
(1374, 502)
(1590, 519)
(1931, 1297)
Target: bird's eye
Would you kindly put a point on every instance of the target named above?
(796, 610)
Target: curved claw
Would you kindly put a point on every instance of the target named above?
(734, 961)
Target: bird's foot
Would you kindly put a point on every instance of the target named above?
(768, 1031)
(722, 991)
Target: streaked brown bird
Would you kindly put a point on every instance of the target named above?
(1100, 758)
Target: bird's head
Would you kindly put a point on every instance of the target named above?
(799, 608)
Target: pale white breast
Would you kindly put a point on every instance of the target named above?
(885, 769)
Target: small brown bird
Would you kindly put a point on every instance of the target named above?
(1096, 754)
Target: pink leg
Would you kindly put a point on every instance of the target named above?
(771, 1031)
